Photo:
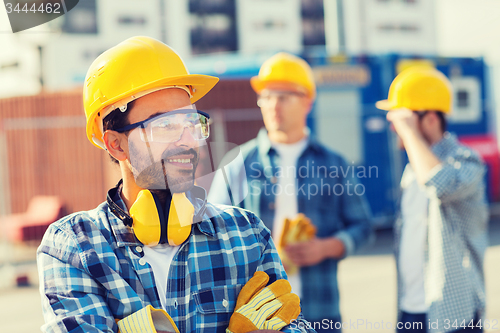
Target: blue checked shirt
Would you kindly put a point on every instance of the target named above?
(457, 221)
(327, 198)
(91, 272)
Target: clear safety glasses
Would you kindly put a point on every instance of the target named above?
(169, 126)
(284, 97)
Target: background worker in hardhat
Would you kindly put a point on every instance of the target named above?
(440, 236)
(285, 175)
(156, 241)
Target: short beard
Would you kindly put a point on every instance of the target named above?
(155, 176)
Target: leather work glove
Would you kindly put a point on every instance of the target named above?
(295, 231)
(147, 320)
(264, 308)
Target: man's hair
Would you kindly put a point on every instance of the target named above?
(439, 114)
(442, 118)
(115, 120)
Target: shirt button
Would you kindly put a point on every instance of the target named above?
(225, 303)
(271, 205)
(138, 249)
(467, 153)
(175, 304)
(466, 262)
(142, 262)
(457, 165)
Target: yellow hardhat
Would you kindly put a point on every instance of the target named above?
(419, 88)
(134, 68)
(285, 68)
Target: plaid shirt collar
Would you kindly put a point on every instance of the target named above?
(443, 146)
(125, 234)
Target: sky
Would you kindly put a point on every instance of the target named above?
(469, 28)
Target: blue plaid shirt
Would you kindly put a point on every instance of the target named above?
(457, 224)
(91, 271)
(326, 197)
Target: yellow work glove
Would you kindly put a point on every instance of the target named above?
(264, 308)
(295, 231)
(147, 320)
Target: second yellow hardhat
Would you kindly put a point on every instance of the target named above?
(419, 89)
(131, 69)
(285, 68)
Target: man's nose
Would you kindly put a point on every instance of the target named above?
(276, 102)
(187, 138)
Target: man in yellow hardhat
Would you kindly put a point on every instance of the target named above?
(288, 172)
(156, 242)
(441, 233)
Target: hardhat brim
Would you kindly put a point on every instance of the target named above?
(201, 83)
(385, 105)
(258, 85)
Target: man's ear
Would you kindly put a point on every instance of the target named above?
(310, 102)
(115, 143)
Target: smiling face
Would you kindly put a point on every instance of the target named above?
(160, 165)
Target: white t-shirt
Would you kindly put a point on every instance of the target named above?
(160, 257)
(286, 205)
(414, 207)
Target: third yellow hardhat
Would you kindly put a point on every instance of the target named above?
(419, 89)
(285, 68)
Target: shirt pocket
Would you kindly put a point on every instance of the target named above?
(215, 305)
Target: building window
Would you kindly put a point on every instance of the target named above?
(462, 99)
(313, 22)
(387, 27)
(404, 27)
(213, 26)
(82, 19)
(131, 20)
(408, 28)
(404, 1)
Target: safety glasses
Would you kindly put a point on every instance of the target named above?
(283, 97)
(169, 126)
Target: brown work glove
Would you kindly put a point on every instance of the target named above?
(264, 308)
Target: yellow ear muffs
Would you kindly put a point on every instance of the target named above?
(151, 226)
(180, 219)
(147, 218)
